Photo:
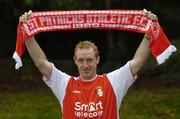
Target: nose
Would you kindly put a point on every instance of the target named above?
(85, 64)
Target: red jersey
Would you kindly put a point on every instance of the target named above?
(97, 99)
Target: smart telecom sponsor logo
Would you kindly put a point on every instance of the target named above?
(90, 110)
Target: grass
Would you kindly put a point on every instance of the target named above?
(29, 105)
(152, 104)
(138, 104)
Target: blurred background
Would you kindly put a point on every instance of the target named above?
(23, 95)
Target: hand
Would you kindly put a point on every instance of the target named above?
(149, 14)
(23, 18)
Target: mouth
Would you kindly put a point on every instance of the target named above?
(86, 71)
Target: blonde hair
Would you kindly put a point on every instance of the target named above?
(86, 44)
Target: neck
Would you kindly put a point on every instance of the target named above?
(88, 80)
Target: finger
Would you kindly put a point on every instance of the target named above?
(25, 16)
(149, 14)
(20, 19)
(145, 12)
(29, 14)
(154, 17)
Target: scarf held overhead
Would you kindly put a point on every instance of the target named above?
(131, 20)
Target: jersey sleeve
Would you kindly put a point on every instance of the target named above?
(58, 82)
(121, 79)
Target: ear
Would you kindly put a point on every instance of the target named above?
(75, 60)
(98, 59)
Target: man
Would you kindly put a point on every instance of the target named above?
(89, 95)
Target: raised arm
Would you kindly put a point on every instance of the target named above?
(38, 57)
(143, 51)
(36, 52)
(140, 56)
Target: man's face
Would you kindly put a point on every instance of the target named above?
(87, 62)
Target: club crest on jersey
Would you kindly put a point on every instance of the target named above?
(99, 91)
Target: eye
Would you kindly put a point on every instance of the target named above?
(80, 61)
(89, 60)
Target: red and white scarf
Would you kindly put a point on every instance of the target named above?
(131, 20)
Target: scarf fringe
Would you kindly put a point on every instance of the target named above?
(17, 60)
(166, 54)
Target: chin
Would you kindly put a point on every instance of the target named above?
(87, 76)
